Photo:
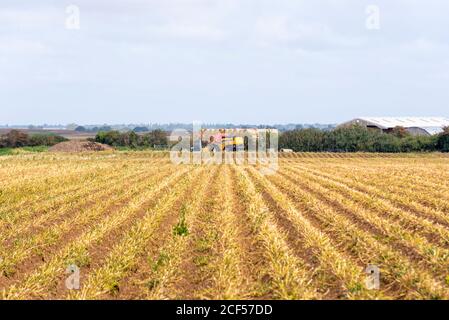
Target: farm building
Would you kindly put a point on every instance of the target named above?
(419, 126)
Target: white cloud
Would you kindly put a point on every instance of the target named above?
(179, 31)
(225, 54)
(31, 18)
(282, 30)
(11, 47)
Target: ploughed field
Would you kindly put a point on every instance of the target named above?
(139, 227)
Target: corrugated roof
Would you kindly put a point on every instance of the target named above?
(407, 122)
(433, 125)
(433, 130)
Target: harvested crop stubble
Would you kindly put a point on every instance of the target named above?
(140, 227)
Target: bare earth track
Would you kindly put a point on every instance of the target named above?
(139, 227)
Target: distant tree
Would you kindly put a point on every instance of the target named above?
(111, 138)
(45, 140)
(80, 129)
(400, 132)
(132, 139)
(105, 128)
(157, 137)
(443, 140)
(303, 140)
(15, 138)
(141, 129)
(358, 139)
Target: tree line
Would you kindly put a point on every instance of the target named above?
(17, 139)
(349, 139)
(361, 139)
(130, 139)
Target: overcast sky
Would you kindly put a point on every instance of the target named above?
(242, 61)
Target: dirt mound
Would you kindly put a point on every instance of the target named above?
(80, 146)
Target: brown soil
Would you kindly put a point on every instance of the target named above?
(131, 284)
(194, 277)
(430, 236)
(80, 146)
(410, 252)
(332, 288)
(255, 266)
(34, 261)
(99, 251)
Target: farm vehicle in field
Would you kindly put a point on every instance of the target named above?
(223, 140)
